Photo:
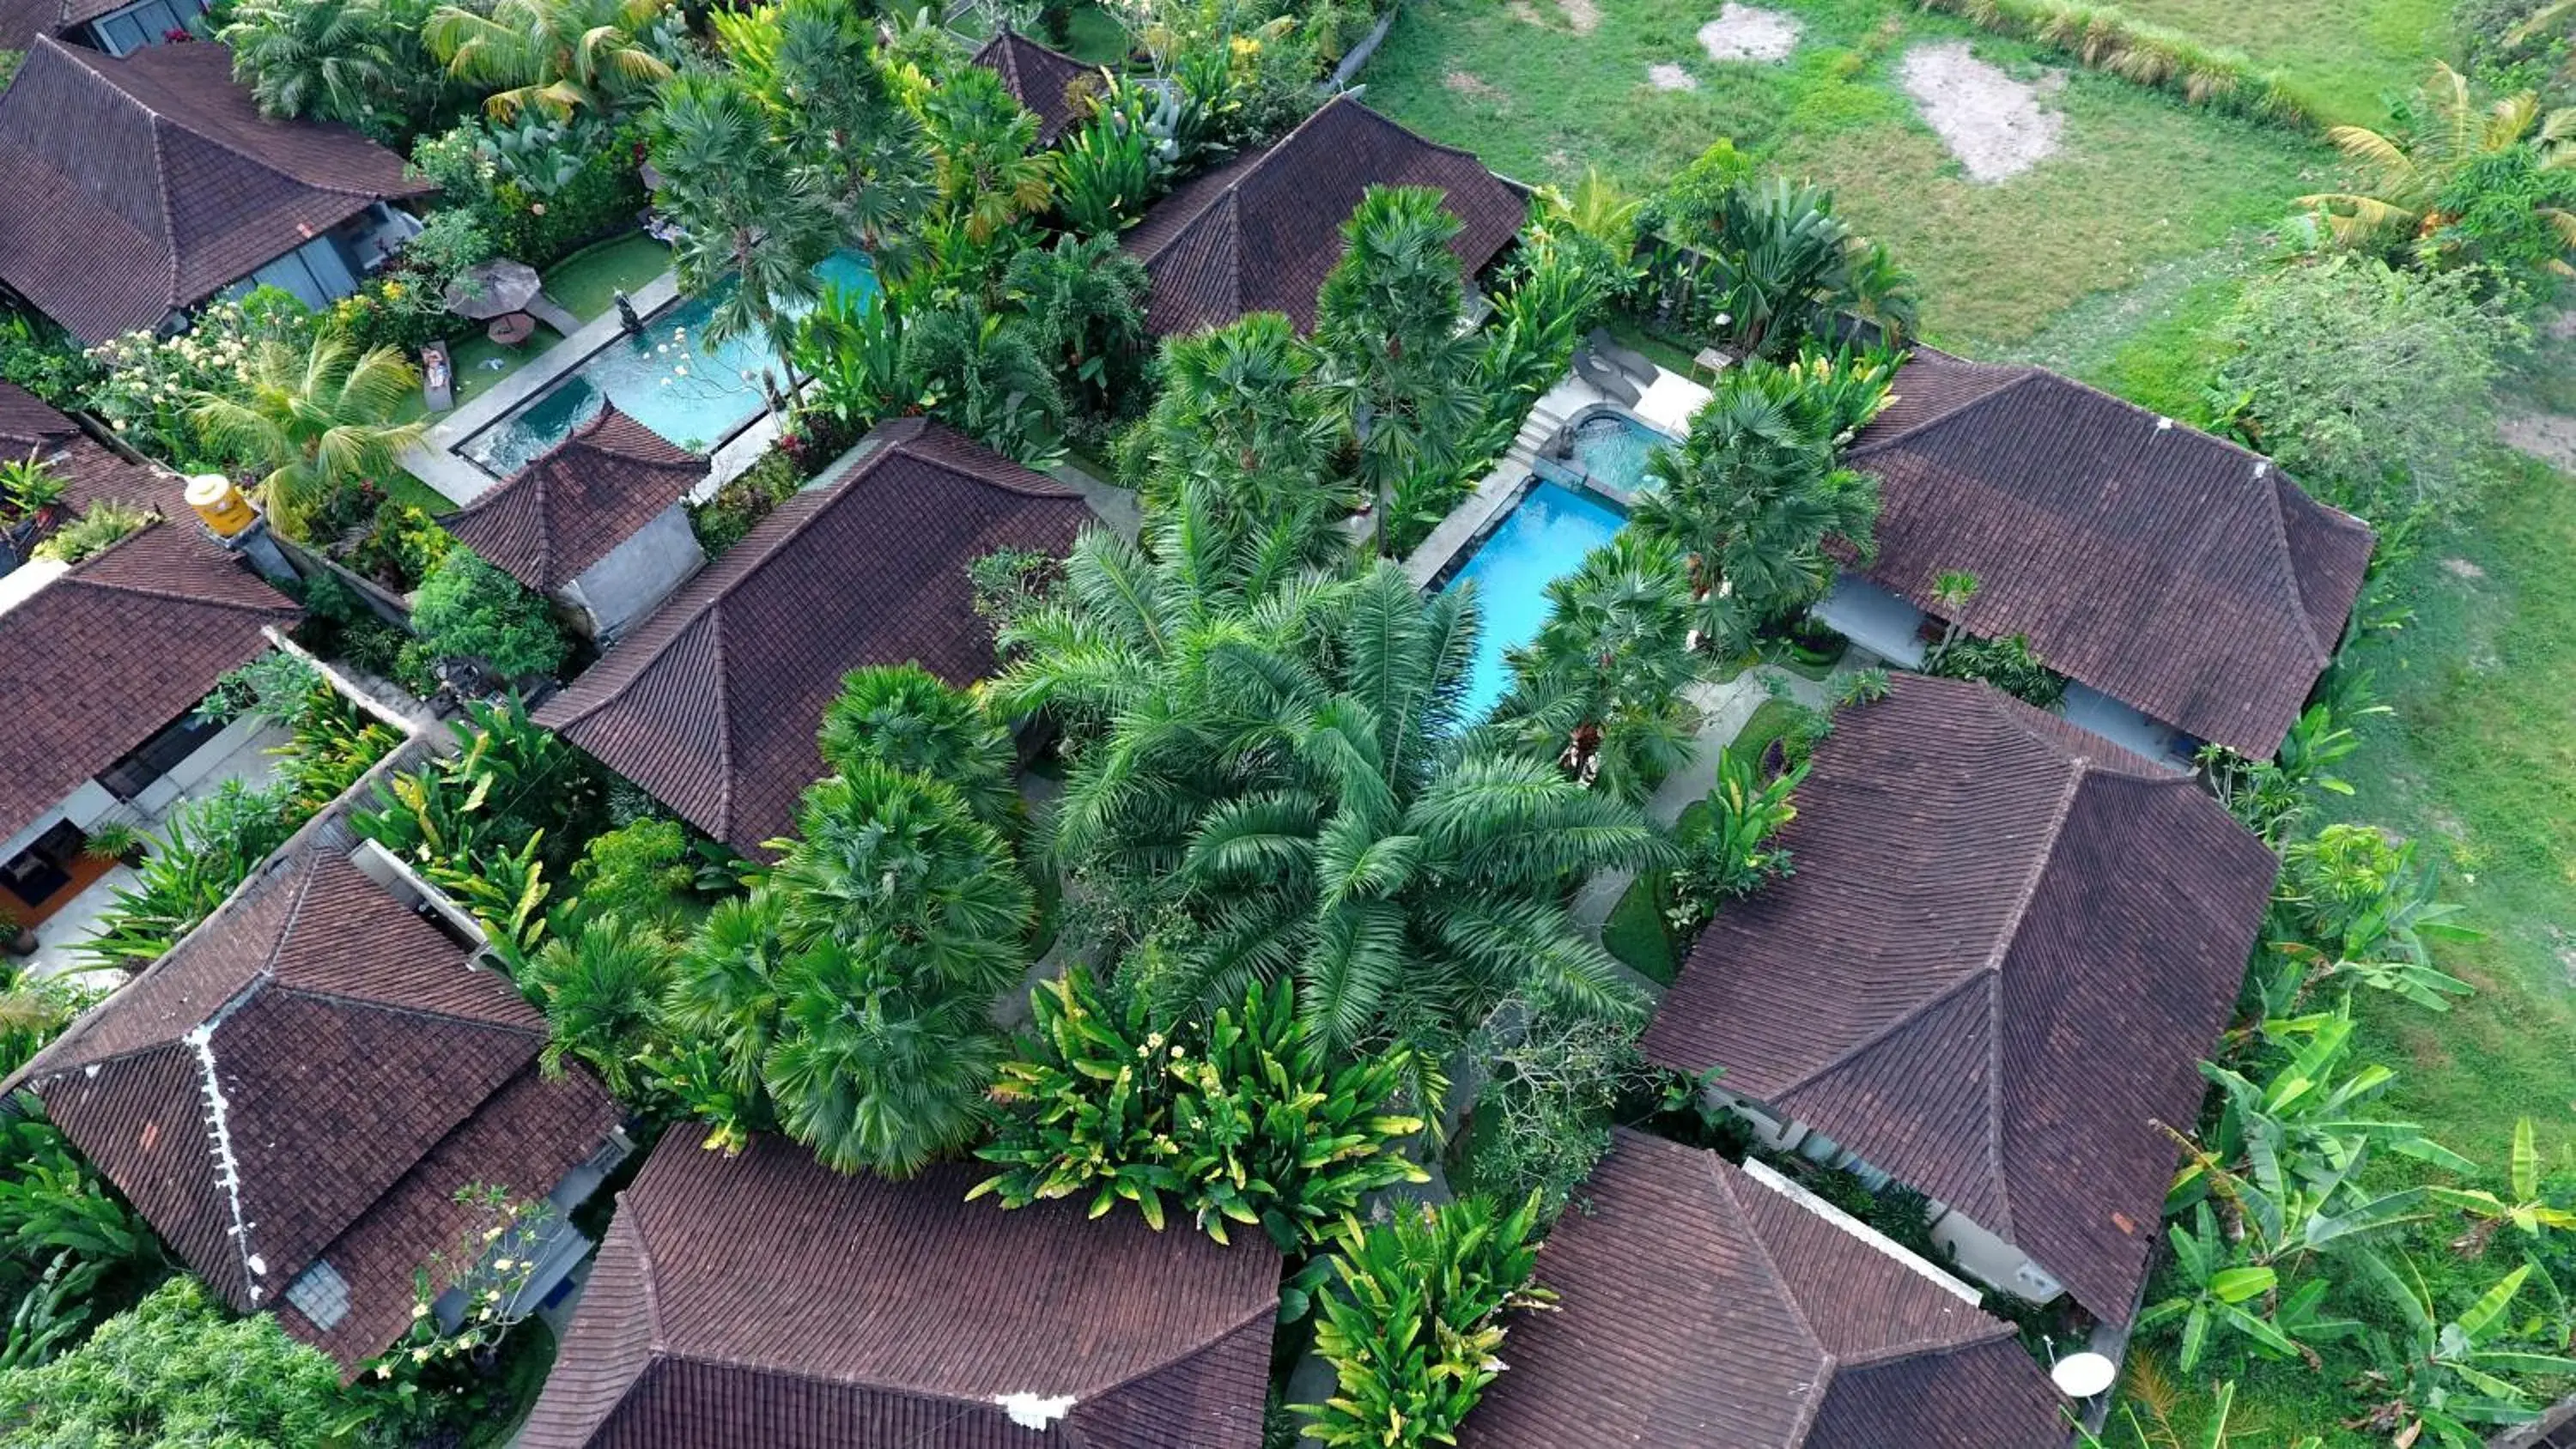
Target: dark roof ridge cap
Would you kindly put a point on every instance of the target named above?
(1931, 420)
(2008, 711)
(1815, 1401)
(1903, 1020)
(343, 998)
(1269, 1308)
(1223, 201)
(2285, 565)
(1995, 1328)
(1045, 488)
(724, 726)
(1392, 124)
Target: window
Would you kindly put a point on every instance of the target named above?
(148, 22)
(320, 1294)
(157, 756)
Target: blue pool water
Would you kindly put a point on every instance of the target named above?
(1612, 447)
(669, 378)
(1542, 539)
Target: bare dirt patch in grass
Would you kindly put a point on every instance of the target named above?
(1583, 15)
(2460, 568)
(2550, 437)
(1468, 83)
(1993, 123)
(1749, 32)
(1663, 75)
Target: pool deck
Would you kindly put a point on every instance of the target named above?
(434, 460)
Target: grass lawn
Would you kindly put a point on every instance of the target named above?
(2341, 58)
(2140, 179)
(1096, 38)
(586, 283)
(404, 488)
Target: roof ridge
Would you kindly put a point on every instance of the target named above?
(1994, 1328)
(2028, 372)
(2277, 513)
(1260, 1311)
(341, 998)
(1714, 1166)
(1877, 1038)
(200, 1041)
(724, 727)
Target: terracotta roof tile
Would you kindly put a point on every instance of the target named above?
(1260, 233)
(2165, 567)
(2003, 952)
(764, 1302)
(584, 497)
(129, 640)
(1037, 78)
(712, 701)
(360, 1063)
(1699, 1306)
(144, 185)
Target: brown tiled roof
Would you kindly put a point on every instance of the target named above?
(1261, 233)
(712, 702)
(1699, 1306)
(2165, 567)
(350, 1066)
(1037, 78)
(764, 1302)
(569, 508)
(99, 660)
(144, 185)
(91, 472)
(2004, 950)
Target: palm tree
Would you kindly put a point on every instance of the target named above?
(2413, 180)
(1779, 261)
(560, 56)
(903, 717)
(316, 420)
(1084, 300)
(984, 376)
(1599, 690)
(360, 63)
(1387, 324)
(1284, 776)
(983, 145)
(727, 985)
(1751, 499)
(601, 990)
(752, 224)
(1240, 417)
(812, 65)
(875, 1069)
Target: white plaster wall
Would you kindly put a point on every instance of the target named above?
(637, 574)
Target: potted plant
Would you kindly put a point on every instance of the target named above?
(115, 841)
(19, 939)
(31, 490)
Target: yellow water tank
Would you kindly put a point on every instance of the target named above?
(221, 505)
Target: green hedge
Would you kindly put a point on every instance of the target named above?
(2100, 37)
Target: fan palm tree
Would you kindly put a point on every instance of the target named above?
(1239, 417)
(727, 985)
(983, 145)
(360, 63)
(876, 1068)
(1339, 829)
(1599, 689)
(315, 419)
(903, 717)
(2412, 179)
(601, 989)
(1084, 300)
(559, 56)
(1387, 325)
(752, 224)
(1751, 499)
(811, 63)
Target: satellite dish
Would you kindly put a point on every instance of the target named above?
(2082, 1375)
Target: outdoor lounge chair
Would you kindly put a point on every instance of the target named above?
(1612, 383)
(437, 377)
(1626, 359)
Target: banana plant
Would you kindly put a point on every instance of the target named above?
(2436, 1378)
(2305, 1121)
(2219, 1431)
(2526, 1212)
(2215, 1294)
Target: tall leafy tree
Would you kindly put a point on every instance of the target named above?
(1599, 689)
(1755, 492)
(315, 418)
(557, 56)
(752, 222)
(1241, 419)
(984, 147)
(1387, 324)
(812, 64)
(1336, 827)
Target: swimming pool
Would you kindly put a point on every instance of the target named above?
(669, 378)
(1611, 450)
(1543, 538)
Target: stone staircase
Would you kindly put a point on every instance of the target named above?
(1546, 416)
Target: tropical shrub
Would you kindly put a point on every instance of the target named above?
(2006, 663)
(208, 846)
(401, 548)
(984, 157)
(1732, 857)
(467, 609)
(148, 386)
(2448, 1380)
(2371, 386)
(435, 1385)
(1107, 173)
(1599, 688)
(311, 420)
(538, 190)
(600, 985)
(176, 1369)
(70, 1248)
(1412, 1322)
(2356, 902)
(40, 357)
(639, 874)
(1082, 306)
(2270, 797)
(102, 526)
(1241, 1118)
(1553, 1084)
(742, 501)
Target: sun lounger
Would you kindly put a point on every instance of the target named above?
(1626, 359)
(1612, 383)
(437, 377)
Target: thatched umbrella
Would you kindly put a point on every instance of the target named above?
(493, 289)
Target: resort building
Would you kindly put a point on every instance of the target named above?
(1701, 1304)
(1049, 82)
(141, 188)
(107, 661)
(1260, 233)
(294, 1095)
(2188, 589)
(119, 27)
(598, 523)
(2004, 952)
(762, 1298)
(711, 702)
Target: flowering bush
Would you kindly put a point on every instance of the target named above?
(434, 1379)
(531, 207)
(148, 381)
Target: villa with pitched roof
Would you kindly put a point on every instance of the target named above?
(761, 1298)
(2004, 952)
(1701, 1304)
(711, 702)
(145, 186)
(294, 1095)
(1043, 79)
(2186, 586)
